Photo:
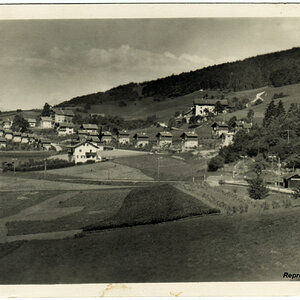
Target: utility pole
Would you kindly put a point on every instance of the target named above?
(158, 166)
(45, 168)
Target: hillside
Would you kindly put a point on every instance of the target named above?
(273, 69)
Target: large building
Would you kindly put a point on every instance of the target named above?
(89, 129)
(47, 123)
(64, 129)
(84, 151)
(203, 107)
(63, 116)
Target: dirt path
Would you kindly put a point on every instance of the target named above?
(46, 210)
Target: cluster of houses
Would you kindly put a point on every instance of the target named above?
(7, 135)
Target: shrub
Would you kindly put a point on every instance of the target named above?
(257, 188)
(296, 193)
(216, 163)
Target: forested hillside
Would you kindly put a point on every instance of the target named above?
(276, 69)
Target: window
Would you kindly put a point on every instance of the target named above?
(79, 150)
(77, 156)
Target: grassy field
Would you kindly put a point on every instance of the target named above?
(291, 92)
(169, 168)
(13, 202)
(154, 204)
(22, 156)
(213, 248)
(102, 171)
(10, 183)
(98, 206)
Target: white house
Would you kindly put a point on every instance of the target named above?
(189, 140)
(45, 144)
(65, 129)
(17, 137)
(89, 128)
(106, 137)
(32, 122)
(7, 124)
(141, 140)
(218, 128)
(47, 123)
(84, 151)
(227, 138)
(164, 139)
(8, 134)
(24, 138)
(123, 137)
(202, 107)
(2, 143)
(63, 116)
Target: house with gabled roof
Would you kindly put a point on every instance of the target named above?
(202, 107)
(141, 140)
(64, 129)
(45, 144)
(8, 134)
(123, 137)
(218, 128)
(17, 137)
(24, 138)
(106, 137)
(32, 122)
(189, 140)
(46, 122)
(164, 139)
(292, 181)
(7, 123)
(2, 143)
(63, 116)
(89, 128)
(84, 151)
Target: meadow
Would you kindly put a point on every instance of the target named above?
(211, 248)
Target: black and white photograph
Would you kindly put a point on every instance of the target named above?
(146, 150)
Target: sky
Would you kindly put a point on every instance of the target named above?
(56, 60)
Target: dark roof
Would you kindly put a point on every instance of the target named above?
(2, 140)
(123, 133)
(66, 125)
(90, 126)
(292, 176)
(164, 134)
(8, 131)
(65, 112)
(189, 134)
(17, 133)
(141, 135)
(84, 142)
(45, 141)
(106, 133)
(210, 102)
(219, 124)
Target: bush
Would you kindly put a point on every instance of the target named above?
(296, 193)
(257, 188)
(216, 163)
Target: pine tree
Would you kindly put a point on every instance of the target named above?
(269, 114)
(257, 188)
(46, 112)
(280, 111)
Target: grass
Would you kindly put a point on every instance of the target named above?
(215, 248)
(98, 205)
(292, 92)
(154, 204)
(169, 168)
(13, 202)
(101, 171)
